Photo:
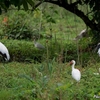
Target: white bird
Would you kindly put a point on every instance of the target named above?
(4, 52)
(76, 74)
(98, 49)
(81, 34)
(38, 45)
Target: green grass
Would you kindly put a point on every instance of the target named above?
(51, 81)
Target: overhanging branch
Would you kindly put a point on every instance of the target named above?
(72, 7)
(84, 17)
(36, 5)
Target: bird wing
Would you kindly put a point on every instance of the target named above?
(4, 51)
(76, 74)
(98, 51)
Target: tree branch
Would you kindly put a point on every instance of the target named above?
(36, 5)
(73, 8)
(84, 17)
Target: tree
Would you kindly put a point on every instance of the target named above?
(91, 18)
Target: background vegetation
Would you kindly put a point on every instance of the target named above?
(34, 74)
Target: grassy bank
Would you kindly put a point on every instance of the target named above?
(50, 81)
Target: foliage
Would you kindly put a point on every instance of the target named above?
(96, 36)
(5, 4)
(36, 81)
(58, 46)
(17, 28)
(23, 51)
(89, 16)
(95, 10)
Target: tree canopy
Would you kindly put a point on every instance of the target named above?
(91, 18)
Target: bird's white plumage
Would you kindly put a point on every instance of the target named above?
(98, 52)
(5, 51)
(81, 34)
(97, 49)
(76, 74)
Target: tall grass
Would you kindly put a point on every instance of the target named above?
(39, 82)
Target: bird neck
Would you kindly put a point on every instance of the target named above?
(73, 66)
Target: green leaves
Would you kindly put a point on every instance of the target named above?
(30, 2)
(49, 18)
(5, 4)
(25, 5)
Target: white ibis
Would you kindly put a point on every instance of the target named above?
(81, 34)
(38, 45)
(98, 49)
(4, 52)
(76, 74)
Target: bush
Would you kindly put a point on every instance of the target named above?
(70, 52)
(18, 26)
(23, 51)
(17, 29)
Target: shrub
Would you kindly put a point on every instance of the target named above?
(70, 52)
(18, 26)
(17, 29)
(23, 51)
